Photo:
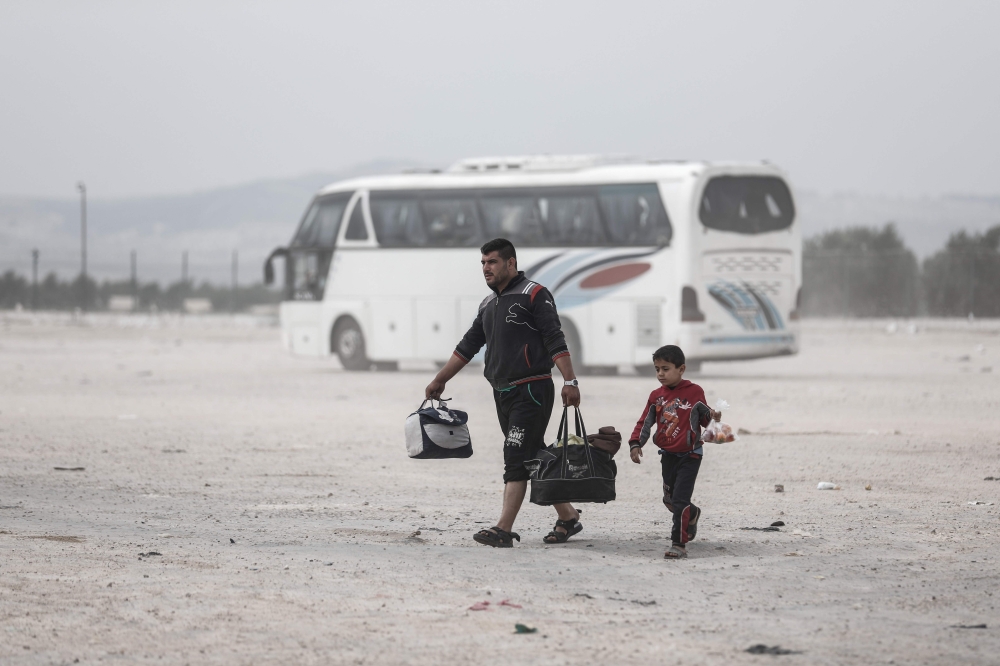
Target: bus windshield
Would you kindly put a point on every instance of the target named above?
(322, 222)
(578, 216)
(747, 204)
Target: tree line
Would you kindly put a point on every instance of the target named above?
(869, 272)
(55, 294)
(853, 272)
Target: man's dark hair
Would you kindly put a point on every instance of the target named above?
(502, 246)
(670, 354)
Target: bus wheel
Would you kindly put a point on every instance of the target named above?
(575, 347)
(349, 345)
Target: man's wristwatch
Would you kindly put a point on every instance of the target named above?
(571, 382)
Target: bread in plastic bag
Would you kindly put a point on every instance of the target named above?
(719, 432)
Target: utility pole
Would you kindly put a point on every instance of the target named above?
(83, 244)
(34, 279)
(236, 267)
(135, 283)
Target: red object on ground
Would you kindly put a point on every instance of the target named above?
(508, 602)
(480, 605)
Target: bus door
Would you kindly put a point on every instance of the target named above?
(307, 265)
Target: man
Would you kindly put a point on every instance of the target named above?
(520, 327)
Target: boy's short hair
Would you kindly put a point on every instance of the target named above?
(670, 354)
(502, 246)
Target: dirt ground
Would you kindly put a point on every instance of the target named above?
(240, 506)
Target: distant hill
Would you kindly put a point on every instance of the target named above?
(256, 217)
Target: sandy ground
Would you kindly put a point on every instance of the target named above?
(278, 497)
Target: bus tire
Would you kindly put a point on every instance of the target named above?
(575, 347)
(348, 343)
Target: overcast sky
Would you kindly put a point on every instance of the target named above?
(896, 98)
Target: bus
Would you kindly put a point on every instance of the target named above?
(638, 254)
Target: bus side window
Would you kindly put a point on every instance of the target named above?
(514, 217)
(635, 215)
(570, 219)
(397, 219)
(452, 222)
(356, 226)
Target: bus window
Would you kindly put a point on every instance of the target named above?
(398, 220)
(571, 220)
(356, 229)
(634, 215)
(322, 222)
(451, 222)
(514, 217)
(747, 204)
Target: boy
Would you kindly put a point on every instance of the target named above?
(679, 411)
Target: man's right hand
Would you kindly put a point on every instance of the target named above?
(635, 453)
(434, 390)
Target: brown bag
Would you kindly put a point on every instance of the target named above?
(606, 439)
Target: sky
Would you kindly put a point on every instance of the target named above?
(887, 98)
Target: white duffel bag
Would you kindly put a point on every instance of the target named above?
(438, 432)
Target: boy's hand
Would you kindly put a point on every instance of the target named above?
(635, 453)
(717, 416)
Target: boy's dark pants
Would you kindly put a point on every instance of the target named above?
(679, 475)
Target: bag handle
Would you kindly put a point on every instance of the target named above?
(581, 431)
(442, 403)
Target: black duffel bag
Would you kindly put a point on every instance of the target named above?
(571, 470)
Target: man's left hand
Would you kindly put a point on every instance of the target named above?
(571, 396)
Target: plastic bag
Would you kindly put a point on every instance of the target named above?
(719, 432)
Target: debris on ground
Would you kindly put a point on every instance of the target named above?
(968, 626)
(173, 450)
(760, 648)
(761, 529)
(779, 488)
(638, 602)
(150, 554)
(743, 431)
(524, 629)
(68, 469)
(480, 605)
(793, 554)
(778, 523)
(231, 540)
(583, 594)
(826, 485)
(508, 602)
(991, 478)
(868, 487)
(980, 503)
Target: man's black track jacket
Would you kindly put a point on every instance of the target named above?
(521, 331)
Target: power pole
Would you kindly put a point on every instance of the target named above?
(135, 283)
(83, 244)
(236, 267)
(34, 279)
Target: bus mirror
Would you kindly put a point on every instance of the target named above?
(689, 306)
(269, 264)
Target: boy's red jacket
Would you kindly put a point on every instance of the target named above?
(679, 414)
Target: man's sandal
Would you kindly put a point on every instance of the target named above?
(676, 552)
(496, 537)
(572, 527)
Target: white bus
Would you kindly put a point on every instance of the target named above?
(638, 255)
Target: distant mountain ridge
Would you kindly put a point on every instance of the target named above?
(256, 217)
